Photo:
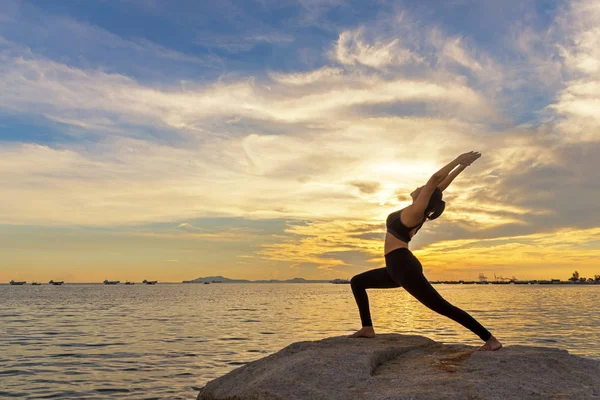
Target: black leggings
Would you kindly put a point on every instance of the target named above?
(402, 268)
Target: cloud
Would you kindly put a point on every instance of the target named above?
(318, 243)
(85, 44)
(366, 187)
(579, 21)
(38, 85)
(321, 75)
(242, 42)
(352, 48)
(577, 102)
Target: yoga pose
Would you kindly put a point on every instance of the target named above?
(402, 268)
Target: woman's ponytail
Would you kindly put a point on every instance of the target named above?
(436, 205)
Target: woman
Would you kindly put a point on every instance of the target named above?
(404, 269)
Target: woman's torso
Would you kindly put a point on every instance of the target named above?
(392, 242)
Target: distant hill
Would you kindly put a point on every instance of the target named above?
(222, 279)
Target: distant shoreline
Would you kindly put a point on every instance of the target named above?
(442, 283)
(524, 282)
(222, 279)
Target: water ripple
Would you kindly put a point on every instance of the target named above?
(113, 390)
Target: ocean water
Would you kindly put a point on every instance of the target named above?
(167, 341)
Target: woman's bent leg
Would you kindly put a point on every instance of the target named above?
(373, 279)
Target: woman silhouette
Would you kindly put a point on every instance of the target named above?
(402, 268)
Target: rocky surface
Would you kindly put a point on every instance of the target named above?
(393, 366)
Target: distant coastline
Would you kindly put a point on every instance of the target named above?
(222, 279)
(517, 282)
(574, 280)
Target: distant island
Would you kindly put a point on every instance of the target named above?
(221, 279)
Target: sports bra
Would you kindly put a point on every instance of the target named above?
(395, 226)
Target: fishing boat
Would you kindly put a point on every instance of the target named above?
(339, 281)
(35, 283)
(56, 283)
(207, 283)
(107, 282)
(150, 282)
(20, 283)
(129, 283)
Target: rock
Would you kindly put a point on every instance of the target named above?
(393, 366)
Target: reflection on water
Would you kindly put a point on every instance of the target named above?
(166, 341)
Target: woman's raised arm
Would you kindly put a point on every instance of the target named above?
(442, 174)
(444, 185)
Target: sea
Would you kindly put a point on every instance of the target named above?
(166, 341)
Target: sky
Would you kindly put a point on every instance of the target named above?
(147, 139)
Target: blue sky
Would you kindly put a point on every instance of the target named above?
(163, 44)
(252, 129)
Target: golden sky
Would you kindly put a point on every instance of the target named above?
(284, 163)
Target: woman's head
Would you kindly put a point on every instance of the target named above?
(436, 205)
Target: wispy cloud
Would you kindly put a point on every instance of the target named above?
(352, 48)
(36, 84)
(577, 103)
(242, 42)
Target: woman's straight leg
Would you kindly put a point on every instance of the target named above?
(373, 279)
(421, 289)
(405, 269)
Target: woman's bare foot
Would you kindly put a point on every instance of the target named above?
(365, 331)
(491, 344)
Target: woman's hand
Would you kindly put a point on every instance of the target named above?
(467, 159)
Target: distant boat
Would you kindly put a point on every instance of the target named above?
(35, 283)
(56, 283)
(129, 283)
(340, 281)
(150, 282)
(107, 282)
(21, 283)
(207, 283)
